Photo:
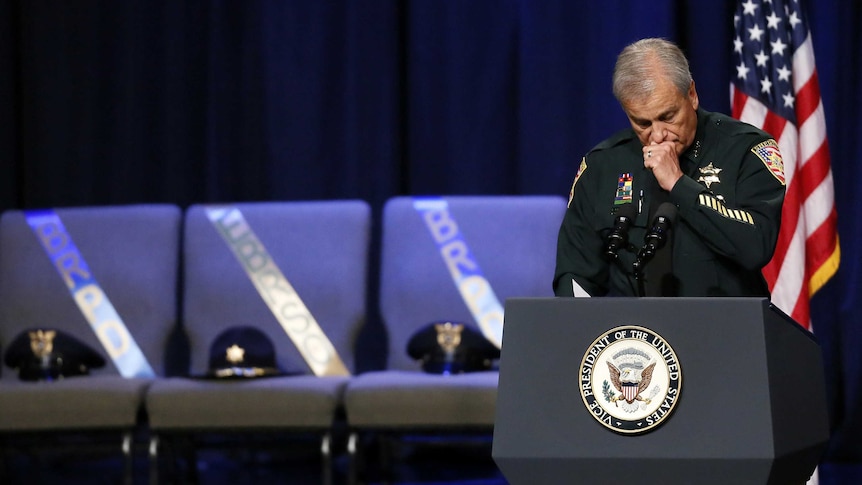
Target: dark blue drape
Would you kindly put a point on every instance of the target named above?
(113, 102)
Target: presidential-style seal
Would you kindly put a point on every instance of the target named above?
(630, 379)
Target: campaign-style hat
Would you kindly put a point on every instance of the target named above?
(47, 354)
(446, 347)
(242, 352)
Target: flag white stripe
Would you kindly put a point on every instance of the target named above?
(812, 134)
(803, 64)
(754, 112)
(815, 210)
(791, 276)
(789, 146)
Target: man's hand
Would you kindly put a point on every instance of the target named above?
(662, 160)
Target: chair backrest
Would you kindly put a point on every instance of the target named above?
(133, 254)
(512, 238)
(321, 248)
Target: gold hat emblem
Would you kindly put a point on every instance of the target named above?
(235, 354)
(449, 335)
(42, 342)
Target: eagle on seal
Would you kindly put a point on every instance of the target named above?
(630, 382)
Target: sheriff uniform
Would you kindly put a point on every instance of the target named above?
(728, 214)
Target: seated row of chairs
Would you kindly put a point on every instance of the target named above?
(178, 279)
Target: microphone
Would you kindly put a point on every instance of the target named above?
(619, 235)
(656, 237)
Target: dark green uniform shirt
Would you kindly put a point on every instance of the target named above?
(728, 214)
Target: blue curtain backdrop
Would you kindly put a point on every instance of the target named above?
(114, 102)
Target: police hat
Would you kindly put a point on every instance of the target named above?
(240, 352)
(451, 348)
(47, 354)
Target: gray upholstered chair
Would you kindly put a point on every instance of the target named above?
(511, 241)
(321, 248)
(128, 255)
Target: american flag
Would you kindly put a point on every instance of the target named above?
(775, 87)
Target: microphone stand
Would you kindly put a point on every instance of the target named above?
(653, 241)
(638, 268)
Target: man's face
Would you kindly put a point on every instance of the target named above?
(665, 115)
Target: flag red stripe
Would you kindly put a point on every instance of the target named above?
(815, 170)
(774, 124)
(801, 311)
(807, 99)
(773, 268)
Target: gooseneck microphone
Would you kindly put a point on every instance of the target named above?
(656, 237)
(619, 236)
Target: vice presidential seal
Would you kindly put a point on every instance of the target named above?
(630, 379)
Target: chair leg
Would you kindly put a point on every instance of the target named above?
(190, 454)
(4, 462)
(128, 458)
(387, 448)
(352, 450)
(326, 459)
(153, 455)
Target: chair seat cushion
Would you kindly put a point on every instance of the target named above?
(256, 403)
(92, 402)
(407, 399)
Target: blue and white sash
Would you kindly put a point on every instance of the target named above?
(278, 294)
(91, 300)
(465, 271)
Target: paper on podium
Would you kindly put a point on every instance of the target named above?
(577, 291)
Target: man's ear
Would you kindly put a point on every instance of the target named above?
(692, 96)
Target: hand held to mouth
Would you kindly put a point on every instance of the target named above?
(663, 161)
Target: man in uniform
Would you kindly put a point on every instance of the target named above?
(717, 182)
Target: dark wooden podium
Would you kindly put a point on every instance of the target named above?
(751, 407)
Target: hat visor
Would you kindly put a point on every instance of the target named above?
(243, 372)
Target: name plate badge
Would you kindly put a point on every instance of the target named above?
(630, 379)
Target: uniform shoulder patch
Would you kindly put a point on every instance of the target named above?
(770, 155)
(581, 168)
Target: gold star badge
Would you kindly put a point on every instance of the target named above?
(42, 342)
(235, 354)
(709, 175)
(449, 335)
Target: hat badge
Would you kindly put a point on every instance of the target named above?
(42, 342)
(449, 336)
(235, 354)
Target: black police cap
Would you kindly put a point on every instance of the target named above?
(242, 352)
(445, 347)
(50, 354)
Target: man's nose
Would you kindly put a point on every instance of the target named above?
(658, 133)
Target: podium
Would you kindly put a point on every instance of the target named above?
(747, 406)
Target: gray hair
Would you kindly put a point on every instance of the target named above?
(640, 63)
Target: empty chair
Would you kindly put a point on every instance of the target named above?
(77, 274)
(444, 260)
(320, 249)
